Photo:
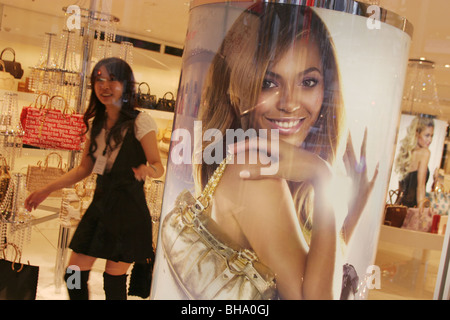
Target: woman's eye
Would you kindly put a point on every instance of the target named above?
(310, 82)
(267, 84)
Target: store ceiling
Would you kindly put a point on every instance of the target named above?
(165, 21)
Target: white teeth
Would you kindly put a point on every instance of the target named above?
(286, 124)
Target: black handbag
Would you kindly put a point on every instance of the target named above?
(146, 100)
(13, 67)
(141, 279)
(165, 104)
(18, 281)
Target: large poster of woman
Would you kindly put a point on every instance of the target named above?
(281, 151)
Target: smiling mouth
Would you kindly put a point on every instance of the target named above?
(286, 126)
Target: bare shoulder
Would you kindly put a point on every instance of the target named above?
(424, 153)
(238, 194)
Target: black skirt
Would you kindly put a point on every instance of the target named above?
(117, 225)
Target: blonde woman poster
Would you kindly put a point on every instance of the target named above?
(418, 132)
(285, 126)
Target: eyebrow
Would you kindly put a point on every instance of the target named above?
(309, 70)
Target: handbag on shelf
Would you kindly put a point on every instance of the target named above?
(13, 67)
(52, 128)
(394, 214)
(165, 104)
(192, 242)
(146, 100)
(41, 99)
(6, 79)
(440, 202)
(419, 219)
(42, 174)
(75, 201)
(18, 281)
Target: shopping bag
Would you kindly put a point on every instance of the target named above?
(52, 128)
(18, 281)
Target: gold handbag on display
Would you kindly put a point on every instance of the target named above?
(205, 264)
(40, 175)
(75, 201)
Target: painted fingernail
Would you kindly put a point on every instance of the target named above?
(244, 174)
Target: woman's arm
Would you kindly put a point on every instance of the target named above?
(266, 214)
(70, 178)
(424, 157)
(155, 168)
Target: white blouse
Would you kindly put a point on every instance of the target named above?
(144, 124)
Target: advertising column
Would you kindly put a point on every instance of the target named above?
(281, 152)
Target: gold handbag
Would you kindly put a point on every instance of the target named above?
(205, 264)
(40, 175)
(75, 201)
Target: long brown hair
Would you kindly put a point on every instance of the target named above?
(259, 37)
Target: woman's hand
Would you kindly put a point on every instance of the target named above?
(141, 172)
(35, 199)
(362, 186)
(279, 160)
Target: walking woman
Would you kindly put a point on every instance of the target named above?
(121, 148)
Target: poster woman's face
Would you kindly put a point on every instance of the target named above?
(425, 137)
(292, 93)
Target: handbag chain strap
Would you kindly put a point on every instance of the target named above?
(208, 192)
(238, 261)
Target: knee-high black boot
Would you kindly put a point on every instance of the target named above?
(77, 284)
(115, 286)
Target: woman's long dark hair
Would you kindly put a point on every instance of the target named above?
(122, 72)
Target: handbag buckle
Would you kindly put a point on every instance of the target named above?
(238, 261)
(192, 212)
